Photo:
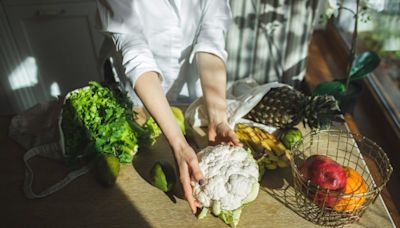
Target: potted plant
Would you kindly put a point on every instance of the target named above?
(345, 90)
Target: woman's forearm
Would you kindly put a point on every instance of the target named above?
(212, 73)
(148, 88)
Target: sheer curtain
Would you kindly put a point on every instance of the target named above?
(268, 39)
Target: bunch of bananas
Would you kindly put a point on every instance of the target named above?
(269, 152)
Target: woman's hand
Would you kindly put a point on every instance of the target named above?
(149, 89)
(222, 133)
(213, 81)
(189, 170)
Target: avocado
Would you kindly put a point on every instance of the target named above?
(163, 176)
(180, 118)
(107, 169)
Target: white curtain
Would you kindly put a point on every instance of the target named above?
(268, 39)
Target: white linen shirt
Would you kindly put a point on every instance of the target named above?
(163, 36)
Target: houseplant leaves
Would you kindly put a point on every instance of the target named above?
(364, 64)
(333, 88)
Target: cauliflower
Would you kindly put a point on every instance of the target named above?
(231, 182)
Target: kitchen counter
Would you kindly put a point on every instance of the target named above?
(133, 202)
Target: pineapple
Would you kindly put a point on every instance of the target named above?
(285, 107)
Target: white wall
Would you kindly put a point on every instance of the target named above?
(7, 58)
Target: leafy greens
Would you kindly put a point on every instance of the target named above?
(98, 119)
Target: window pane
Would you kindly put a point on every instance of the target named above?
(379, 32)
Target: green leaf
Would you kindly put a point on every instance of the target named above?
(333, 88)
(152, 128)
(231, 217)
(364, 64)
(203, 213)
(253, 193)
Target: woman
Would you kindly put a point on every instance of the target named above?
(165, 47)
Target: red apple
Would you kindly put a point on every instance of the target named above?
(328, 174)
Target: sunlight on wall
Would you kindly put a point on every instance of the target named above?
(19, 78)
(55, 89)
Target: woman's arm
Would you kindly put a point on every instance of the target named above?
(148, 88)
(211, 56)
(213, 82)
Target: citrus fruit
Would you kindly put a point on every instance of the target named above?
(353, 197)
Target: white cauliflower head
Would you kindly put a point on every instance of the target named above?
(231, 178)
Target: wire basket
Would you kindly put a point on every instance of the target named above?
(335, 208)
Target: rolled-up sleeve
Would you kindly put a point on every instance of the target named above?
(119, 19)
(214, 25)
(136, 56)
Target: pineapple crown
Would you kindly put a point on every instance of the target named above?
(320, 111)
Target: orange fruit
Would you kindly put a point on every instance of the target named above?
(354, 185)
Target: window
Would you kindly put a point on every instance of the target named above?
(380, 33)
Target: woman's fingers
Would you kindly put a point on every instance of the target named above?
(222, 133)
(196, 172)
(187, 189)
(233, 138)
(212, 134)
(189, 171)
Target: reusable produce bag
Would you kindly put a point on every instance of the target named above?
(38, 130)
(242, 96)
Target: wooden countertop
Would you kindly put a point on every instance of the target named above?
(133, 202)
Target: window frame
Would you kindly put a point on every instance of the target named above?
(370, 83)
